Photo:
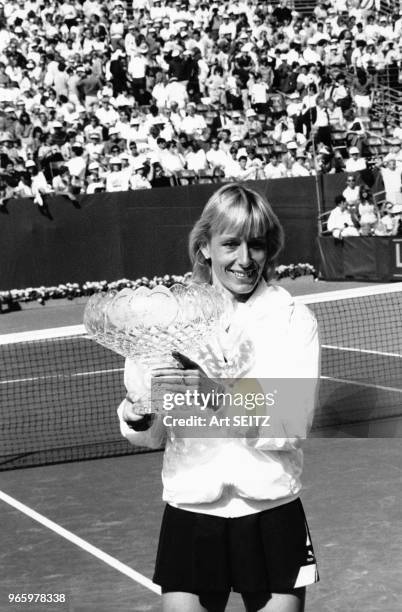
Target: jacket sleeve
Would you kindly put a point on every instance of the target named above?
(138, 384)
(292, 416)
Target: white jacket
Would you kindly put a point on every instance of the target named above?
(200, 470)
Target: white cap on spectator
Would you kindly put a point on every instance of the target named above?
(294, 95)
(250, 112)
(57, 124)
(125, 155)
(115, 160)
(93, 166)
(291, 145)
(30, 163)
(236, 114)
(94, 135)
(300, 153)
(354, 151)
(135, 121)
(113, 130)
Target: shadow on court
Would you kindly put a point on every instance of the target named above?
(352, 497)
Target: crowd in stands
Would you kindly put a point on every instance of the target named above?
(357, 214)
(111, 96)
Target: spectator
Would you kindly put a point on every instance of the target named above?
(352, 191)
(77, 164)
(367, 211)
(106, 114)
(232, 167)
(355, 163)
(33, 184)
(140, 178)
(193, 124)
(341, 93)
(391, 176)
(275, 169)
(388, 223)
(95, 184)
(245, 172)
(299, 167)
(176, 93)
(322, 124)
(62, 184)
(395, 153)
(115, 179)
(196, 159)
(216, 157)
(340, 222)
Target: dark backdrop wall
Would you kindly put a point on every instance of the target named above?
(143, 233)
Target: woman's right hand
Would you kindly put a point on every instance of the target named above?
(134, 419)
(130, 410)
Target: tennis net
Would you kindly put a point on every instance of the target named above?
(60, 389)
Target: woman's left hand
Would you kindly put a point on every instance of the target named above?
(188, 382)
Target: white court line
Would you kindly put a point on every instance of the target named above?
(356, 292)
(44, 334)
(50, 376)
(71, 537)
(359, 350)
(361, 384)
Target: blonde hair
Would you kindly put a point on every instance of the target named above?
(243, 211)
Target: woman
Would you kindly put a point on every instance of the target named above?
(24, 128)
(233, 517)
(368, 212)
(309, 108)
(216, 85)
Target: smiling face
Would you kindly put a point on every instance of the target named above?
(237, 262)
(236, 241)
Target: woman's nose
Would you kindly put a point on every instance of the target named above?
(243, 255)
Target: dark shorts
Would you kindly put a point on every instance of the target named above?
(269, 551)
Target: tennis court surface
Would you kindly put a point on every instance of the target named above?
(95, 533)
